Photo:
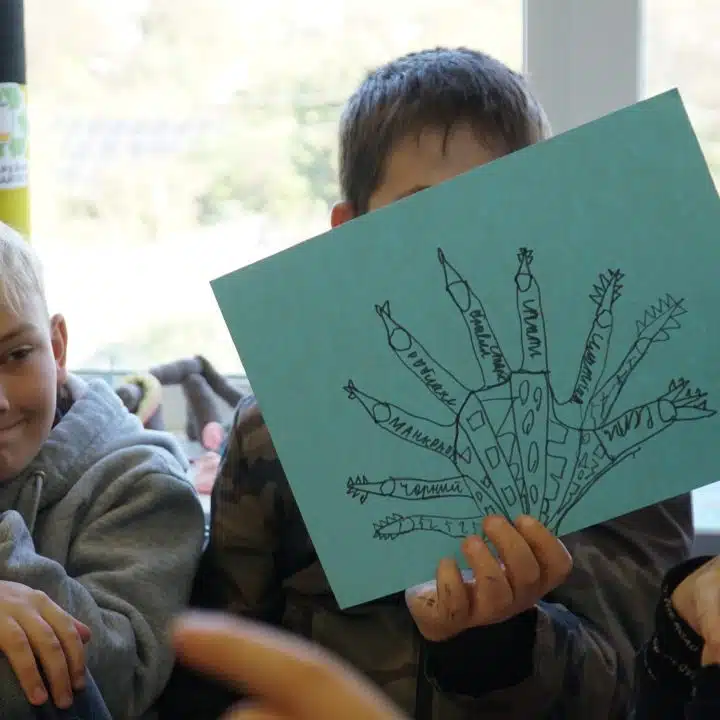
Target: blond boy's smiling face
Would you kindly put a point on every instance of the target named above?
(32, 367)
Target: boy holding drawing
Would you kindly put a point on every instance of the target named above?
(527, 637)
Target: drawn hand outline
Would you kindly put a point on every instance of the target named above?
(513, 446)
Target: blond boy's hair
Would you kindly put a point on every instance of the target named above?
(21, 275)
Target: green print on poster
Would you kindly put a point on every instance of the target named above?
(13, 137)
(535, 336)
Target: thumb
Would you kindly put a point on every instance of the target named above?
(83, 630)
(284, 673)
(420, 592)
(707, 605)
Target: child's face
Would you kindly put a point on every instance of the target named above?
(419, 163)
(32, 368)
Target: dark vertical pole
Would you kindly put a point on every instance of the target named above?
(14, 201)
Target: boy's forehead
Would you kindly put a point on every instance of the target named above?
(17, 321)
(434, 155)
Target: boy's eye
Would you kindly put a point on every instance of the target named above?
(19, 354)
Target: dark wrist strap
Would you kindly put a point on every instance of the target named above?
(673, 654)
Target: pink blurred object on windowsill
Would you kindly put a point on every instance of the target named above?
(203, 471)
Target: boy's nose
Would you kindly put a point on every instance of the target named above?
(4, 402)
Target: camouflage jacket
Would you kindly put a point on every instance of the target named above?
(570, 658)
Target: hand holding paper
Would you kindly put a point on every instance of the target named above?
(531, 563)
(697, 601)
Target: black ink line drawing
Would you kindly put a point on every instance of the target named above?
(512, 445)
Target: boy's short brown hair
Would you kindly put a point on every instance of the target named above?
(436, 88)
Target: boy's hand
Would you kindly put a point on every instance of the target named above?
(697, 601)
(287, 677)
(34, 629)
(532, 562)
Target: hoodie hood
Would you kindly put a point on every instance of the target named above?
(96, 425)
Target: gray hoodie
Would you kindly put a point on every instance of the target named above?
(106, 524)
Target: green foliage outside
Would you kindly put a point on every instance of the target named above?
(263, 85)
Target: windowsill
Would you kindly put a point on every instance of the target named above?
(174, 408)
(707, 542)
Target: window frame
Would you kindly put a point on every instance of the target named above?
(584, 59)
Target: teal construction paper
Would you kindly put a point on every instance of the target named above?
(538, 335)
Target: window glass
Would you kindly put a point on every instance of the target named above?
(175, 140)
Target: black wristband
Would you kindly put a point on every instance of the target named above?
(673, 654)
(484, 659)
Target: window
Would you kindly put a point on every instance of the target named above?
(682, 50)
(173, 141)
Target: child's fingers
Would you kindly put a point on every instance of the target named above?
(521, 566)
(284, 673)
(492, 594)
(83, 630)
(254, 712)
(553, 558)
(453, 596)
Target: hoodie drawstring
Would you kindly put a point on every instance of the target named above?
(29, 501)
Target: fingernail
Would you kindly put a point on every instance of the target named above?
(65, 701)
(39, 696)
(493, 521)
(79, 683)
(473, 543)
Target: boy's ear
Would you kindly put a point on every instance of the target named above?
(341, 213)
(59, 340)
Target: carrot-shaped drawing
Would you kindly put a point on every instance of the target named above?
(439, 381)
(403, 488)
(408, 427)
(394, 526)
(493, 366)
(655, 327)
(597, 345)
(532, 323)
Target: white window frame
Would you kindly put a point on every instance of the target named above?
(584, 58)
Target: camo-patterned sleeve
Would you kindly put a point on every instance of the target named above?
(250, 503)
(583, 643)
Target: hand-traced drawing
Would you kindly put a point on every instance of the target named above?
(511, 445)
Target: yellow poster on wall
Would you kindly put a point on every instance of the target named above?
(14, 203)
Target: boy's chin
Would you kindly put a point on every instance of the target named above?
(14, 457)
